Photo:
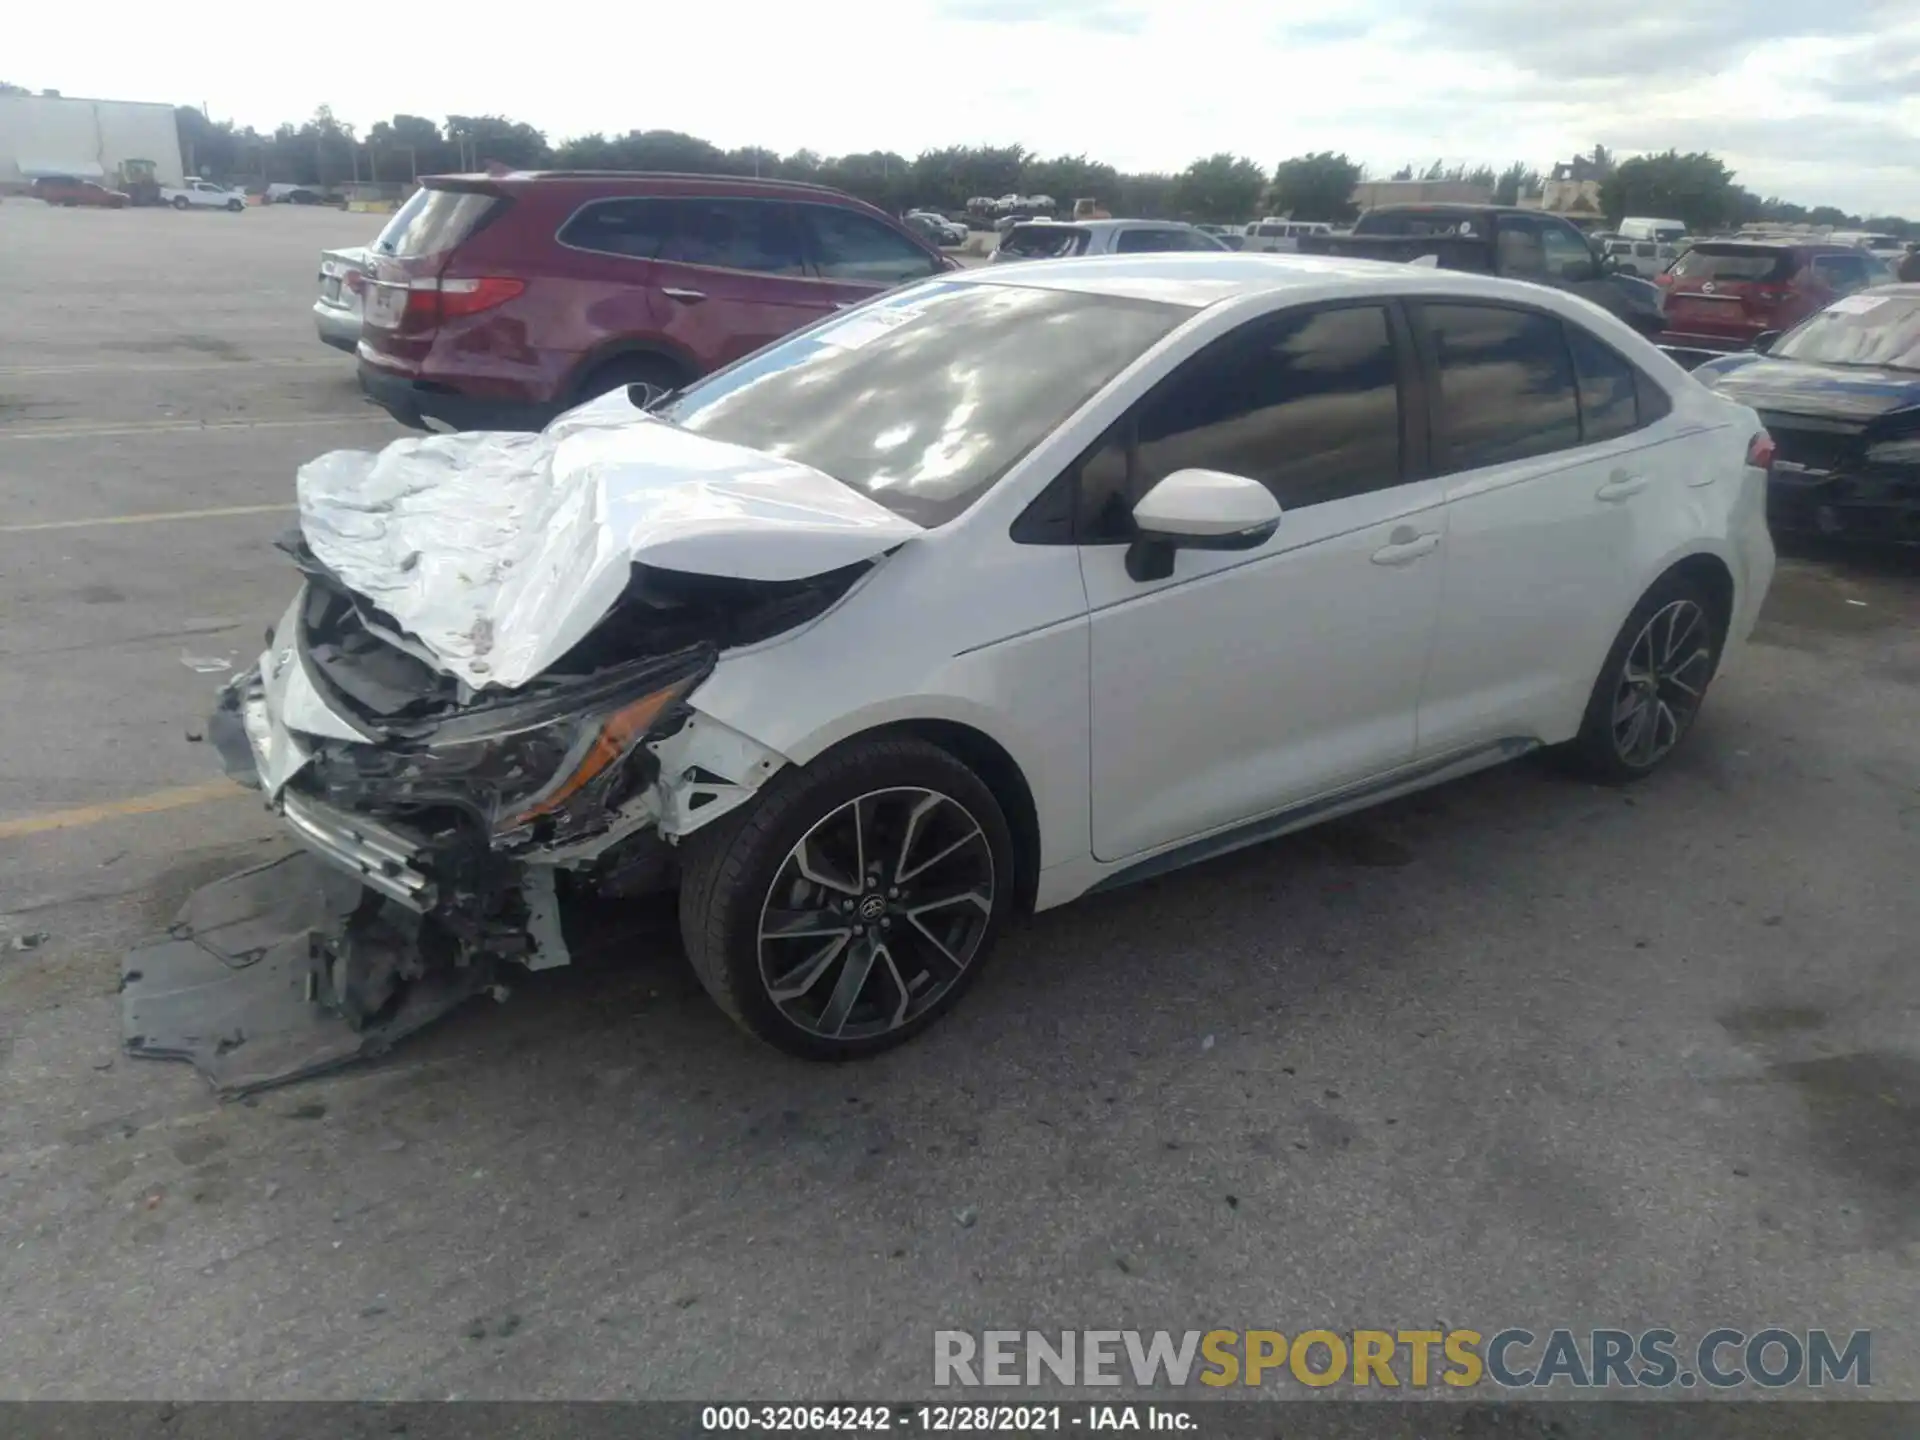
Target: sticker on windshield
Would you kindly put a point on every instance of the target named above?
(866, 327)
(1856, 304)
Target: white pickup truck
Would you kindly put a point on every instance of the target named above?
(198, 194)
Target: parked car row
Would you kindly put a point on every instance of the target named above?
(1060, 239)
(497, 302)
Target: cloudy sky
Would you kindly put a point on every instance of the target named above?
(1814, 100)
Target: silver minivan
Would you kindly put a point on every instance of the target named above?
(1281, 235)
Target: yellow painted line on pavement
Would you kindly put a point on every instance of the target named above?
(150, 804)
(154, 518)
(181, 427)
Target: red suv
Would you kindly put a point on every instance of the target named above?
(1725, 294)
(66, 190)
(495, 302)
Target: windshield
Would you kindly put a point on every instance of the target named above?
(1862, 329)
(924, 398)
(1043, 242)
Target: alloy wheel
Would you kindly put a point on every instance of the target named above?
(875, 913)
(1662, 683)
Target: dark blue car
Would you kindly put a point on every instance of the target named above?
(1840, 394)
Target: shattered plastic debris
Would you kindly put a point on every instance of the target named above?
(205, 664)
(500, 551)
(31, 940)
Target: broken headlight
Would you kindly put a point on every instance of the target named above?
(551, 765)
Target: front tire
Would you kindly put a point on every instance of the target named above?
(236, 206)
(851, 905)
(1652, 686)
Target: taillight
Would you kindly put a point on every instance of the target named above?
(356, 282)
(431, 303)
(470, 297)
(1760, 452)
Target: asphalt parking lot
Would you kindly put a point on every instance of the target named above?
(1516, 1052)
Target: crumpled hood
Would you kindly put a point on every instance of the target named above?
(499, 552)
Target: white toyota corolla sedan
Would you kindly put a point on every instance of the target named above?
(1003, 588)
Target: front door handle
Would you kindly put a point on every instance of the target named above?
(689, 297)
(1405, 545)
(1621, 486)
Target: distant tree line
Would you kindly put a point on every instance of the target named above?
(1695, 188)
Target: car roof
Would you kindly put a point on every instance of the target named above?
(1198, 278)
(1822, 245)
(635, 180)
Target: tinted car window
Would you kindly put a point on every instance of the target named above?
(847, 245)
(432, 222)
(923, 398)
(1567, 253)
(1714, 261)
(1843, 274)
(1308, 404)
(634, 226)
(757, 235)
(1519, 248)
(1137, 242)
(1608, 386)
(1506, 385)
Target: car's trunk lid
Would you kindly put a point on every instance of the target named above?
(1726, 288)
(497, 553)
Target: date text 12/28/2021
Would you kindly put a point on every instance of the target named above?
(942, 1419)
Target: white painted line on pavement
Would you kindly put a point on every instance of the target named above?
(163, 367)
(182, 427)
(153, 518)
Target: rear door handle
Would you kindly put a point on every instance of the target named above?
(1404, 546)
(1621, 486)
(690, 297)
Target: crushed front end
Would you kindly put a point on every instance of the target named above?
(449, 815)
(478, 704)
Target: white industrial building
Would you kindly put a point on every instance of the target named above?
(88, 139)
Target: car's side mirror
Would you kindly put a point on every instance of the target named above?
(1764, 341)
(1198, 510)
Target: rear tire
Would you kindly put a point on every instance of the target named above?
(1653, 684)
(654, 370)
(236, 206)
(180, 202)
(851, 904)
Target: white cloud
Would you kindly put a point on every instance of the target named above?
(1817, 102)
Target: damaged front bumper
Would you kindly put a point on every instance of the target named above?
(436, 849)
